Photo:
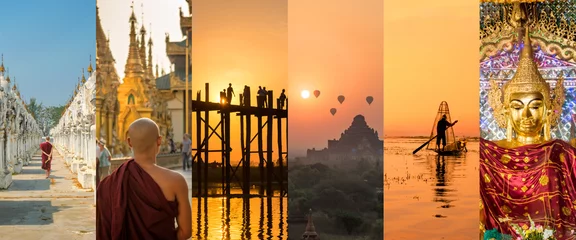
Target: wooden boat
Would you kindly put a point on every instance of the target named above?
(453, 146)
(448, 153)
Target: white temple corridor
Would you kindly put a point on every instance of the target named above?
(62, 206)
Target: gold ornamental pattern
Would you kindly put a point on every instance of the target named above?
(551, 25)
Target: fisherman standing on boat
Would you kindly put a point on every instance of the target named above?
(441, 127)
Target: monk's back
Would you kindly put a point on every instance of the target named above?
(132, 205)
(165, 179)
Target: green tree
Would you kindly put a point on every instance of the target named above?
(46, 117)
(35, 108)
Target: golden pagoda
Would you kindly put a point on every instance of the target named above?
(119, 104)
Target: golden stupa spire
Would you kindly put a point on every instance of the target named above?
(143, 40)
(8, 75)
(157, 71)
(76, 88)
(14, 88)
(90, 69)
(133, 64)
(2, 65)
(83, 77)
(150, 44)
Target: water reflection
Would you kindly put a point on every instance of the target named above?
(239, 218)
(443, 167)
(426, 192)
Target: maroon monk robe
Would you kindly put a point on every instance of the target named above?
(538, 180)
(46, 147)
(131, 205)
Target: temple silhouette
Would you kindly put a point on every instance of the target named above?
(359, 141)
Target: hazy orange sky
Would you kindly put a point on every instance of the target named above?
(431, 55)
(243, 43)
(336, 47)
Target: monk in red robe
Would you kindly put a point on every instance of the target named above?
(141, 200)
(46, 148)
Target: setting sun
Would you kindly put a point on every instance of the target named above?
(305, 94)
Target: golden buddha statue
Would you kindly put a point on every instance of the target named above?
(528, 174)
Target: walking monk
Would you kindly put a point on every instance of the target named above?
(141, 200)
(46, 148)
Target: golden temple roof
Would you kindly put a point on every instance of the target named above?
(2, 65)
(83, 77)
(133, 63)
(90, 69)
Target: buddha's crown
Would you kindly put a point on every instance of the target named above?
(527, 78)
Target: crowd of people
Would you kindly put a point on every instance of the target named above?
(227, 94)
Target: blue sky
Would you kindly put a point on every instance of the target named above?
(46, 44)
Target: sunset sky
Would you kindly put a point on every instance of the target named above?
(243, 43)
(336, 47)
(431, 56)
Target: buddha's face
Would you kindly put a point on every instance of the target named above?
(526, 110)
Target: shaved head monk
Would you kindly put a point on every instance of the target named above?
(141, 200)
(46, 148)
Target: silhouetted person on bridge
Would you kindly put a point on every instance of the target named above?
(229, 93)
(282, 98)
(265, 97)
(441, 127)
(223, 96)
(261, 96)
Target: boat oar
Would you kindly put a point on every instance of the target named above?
(423, 145)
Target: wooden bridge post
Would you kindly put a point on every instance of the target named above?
(206, 135)
(260, 149)
(198, 147)
(246, 165)
(228, 149)
(223, 148)
(243, 146)
(280, 152)
(269, 161)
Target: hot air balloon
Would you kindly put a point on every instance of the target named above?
(333, 111)
(341, 99)
(369, 100)
(317, 93)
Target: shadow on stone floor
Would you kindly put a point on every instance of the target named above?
(32, 171)
(28, 212)
(30, 184)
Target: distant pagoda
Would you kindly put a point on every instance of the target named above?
(310, 233)
(359, 141)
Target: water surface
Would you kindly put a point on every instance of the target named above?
(427, 196)
(220, 218)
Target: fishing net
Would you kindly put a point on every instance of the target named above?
(451, 141)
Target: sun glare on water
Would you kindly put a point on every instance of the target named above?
(305, 94)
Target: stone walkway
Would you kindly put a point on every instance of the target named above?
(38, 208)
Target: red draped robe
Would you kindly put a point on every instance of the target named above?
(131, 205)
(538, 180)
(46, 147)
